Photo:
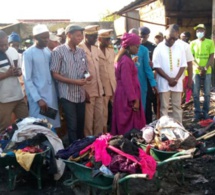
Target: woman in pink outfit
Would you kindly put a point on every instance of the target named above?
(127, 110)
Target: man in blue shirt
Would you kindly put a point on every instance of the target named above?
(40, 88)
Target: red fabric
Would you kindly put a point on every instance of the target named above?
(99, 147)
(146, 162)
(205, 123)
(188, 92)
(86, 149)
(32, 149)
(89, 164)
(129, 39)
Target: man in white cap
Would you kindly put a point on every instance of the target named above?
(54, 41)
(68, 66)
(11, 96)
(107, 71)
(94, 108)
(40, 88)
(61, 34)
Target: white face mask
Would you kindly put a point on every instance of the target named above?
(200, 35)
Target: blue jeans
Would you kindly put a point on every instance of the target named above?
(75, 117)
(196, 91)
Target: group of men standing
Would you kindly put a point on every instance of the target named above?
(76, 74)
(171, 58)
(80, 76)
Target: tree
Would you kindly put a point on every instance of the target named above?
(108, 16)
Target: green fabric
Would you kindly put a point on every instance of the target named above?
(201, 51)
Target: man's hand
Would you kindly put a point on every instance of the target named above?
(190, 84)
(202, 71)
(136, 105)
(154, 90)
(87, 99)
(43, 106)
(13, 72)
(135, 59)
(172, 82)
(151, 64)
(80, 82)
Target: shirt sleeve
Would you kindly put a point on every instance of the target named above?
(183, 58)
(212, 47)
(189, 55)
(191, 48)
(85, 59)
(28, 69)
(148, 69)
(155, 58)
(56, 60)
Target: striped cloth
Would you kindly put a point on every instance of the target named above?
(70, 65)
(4, 60)
(10, 89)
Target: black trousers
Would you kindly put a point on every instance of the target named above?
(151, 101)
(75, 117)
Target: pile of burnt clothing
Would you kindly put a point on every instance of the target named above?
(30, 132)
(116, 153)
(168, 135)
(73, 151)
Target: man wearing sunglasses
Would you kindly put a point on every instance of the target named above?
(169, 61)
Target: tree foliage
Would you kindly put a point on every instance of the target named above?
(108, 16)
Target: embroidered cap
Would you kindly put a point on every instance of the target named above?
(60, 31)
(53, 37)
(105, 33)
(39, 29)
(91, 29)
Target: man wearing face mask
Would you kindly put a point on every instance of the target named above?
(203, 52)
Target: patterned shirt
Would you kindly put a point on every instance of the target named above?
(10, 88)
(71, 65)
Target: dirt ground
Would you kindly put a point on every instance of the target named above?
(197, 178)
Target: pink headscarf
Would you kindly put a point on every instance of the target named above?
(129, 39)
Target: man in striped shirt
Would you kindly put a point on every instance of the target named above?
(68, 66)
(11, 96)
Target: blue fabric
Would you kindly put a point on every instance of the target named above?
(14, 37)
(197, 79)
(4, 143)
(39, 83)
(144, 72)
(144, 30)
(74, 149)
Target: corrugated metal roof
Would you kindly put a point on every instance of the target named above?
(133, 5)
